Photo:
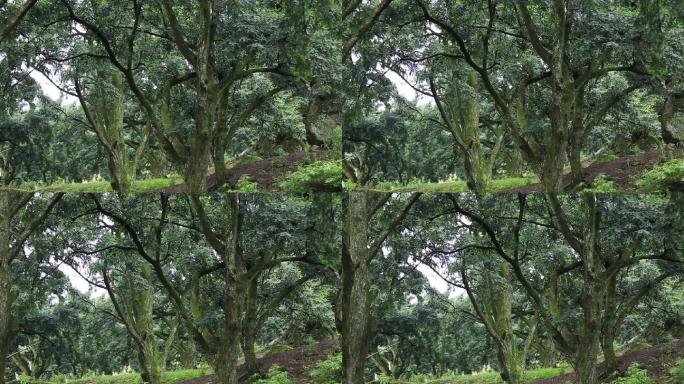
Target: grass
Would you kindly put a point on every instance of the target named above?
(492, 377)
(134, 378)
(99, 186)
(455, 186)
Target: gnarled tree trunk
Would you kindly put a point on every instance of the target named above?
(356, 295)
(250, 328)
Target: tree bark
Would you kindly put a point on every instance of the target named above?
(249, 328)
(11, 244)
(233, 297)
(356, 295)
(493, 306)
(5, 308)
(5, 281)
(672, 103)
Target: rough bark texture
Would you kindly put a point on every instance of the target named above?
(460, 112)
(249, 330)
(356, 296)
(233, 298)
(5, 282)
(493, 305)
(141, 305)
(671, 133)
(5, 311)
(104, 109)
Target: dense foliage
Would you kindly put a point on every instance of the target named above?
(482, 90)
(149, 88)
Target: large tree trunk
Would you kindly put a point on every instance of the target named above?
(225, 364)
(5, 311)
(593, 300)
(547, 353)
(195, 175)
(554, 162)
(609, 324)
(493, 306)
(577, 172)
(356, 295)
(585, 359)
(667, 113)
(607, 345)
(187, 353)
(5, 280)
(477, 168)
(136, 311)
(249, 328)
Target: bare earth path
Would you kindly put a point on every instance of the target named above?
(297, 362)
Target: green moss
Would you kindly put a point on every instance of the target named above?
(484, 378)
(662, 177)
(99, 186)
(635, 375)
(677, 372)
(131, 378)
(322, 175)
(601, 184)
(275, 376)
(454, 186)
(246, 184)
(328, 371)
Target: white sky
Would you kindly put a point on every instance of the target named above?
(438, 283)
(79, 283)
(406, 90)
(50, 90)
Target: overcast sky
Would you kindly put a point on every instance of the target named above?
(79, 283)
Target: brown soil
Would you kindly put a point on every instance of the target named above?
(622, 171)
(297, 362)
(267, 172)
(657, 360)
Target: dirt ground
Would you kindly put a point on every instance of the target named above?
(267, 172)
(623, 171)
(297, 362)
(657, 360)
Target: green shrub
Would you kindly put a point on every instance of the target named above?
(349, 185)
(275, 376)
(328, 371)
(677, 372)
(323, 175)
(662, 176)
(246, 184)
(635, 375)
(601, 184)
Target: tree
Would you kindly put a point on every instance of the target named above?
(491, 69)
(221, 224)
(17, 12)
(212, 75)
(580, 225)
(21, 215)
(360, 246)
